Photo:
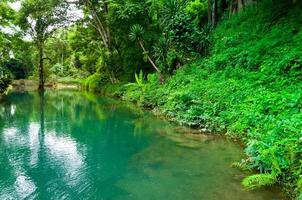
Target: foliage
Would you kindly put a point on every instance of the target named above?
(16, 68)
(259, 180)
(243, 77)
(57, 69)
(5, 79)
(95, 82)
(198, 10)
(136, 32)
(249, 87)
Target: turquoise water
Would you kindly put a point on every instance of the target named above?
(73, 145)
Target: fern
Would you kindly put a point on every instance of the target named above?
(241, 165)
(259, 180)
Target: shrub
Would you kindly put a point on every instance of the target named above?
(95, 82)
(5, 79)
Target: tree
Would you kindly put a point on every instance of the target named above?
(136, 34)
(98, 11)
(6, 17)
(40, 18)
(212, 12)
(98, 14)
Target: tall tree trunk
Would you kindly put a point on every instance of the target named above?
(106, 9)
(214, 13)
(103, 29)
(100, 26)
(41, 68)
(148, 57)
(62, 65)
(62, 55)
(210, 12)
(161, 76)
(240, 4)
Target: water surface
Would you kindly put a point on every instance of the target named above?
(73, 145)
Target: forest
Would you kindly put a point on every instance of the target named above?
(232, 67)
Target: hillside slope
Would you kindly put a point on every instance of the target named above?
(249, 87)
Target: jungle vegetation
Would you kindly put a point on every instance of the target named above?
(231, 66)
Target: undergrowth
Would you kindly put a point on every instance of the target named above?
(249, 87)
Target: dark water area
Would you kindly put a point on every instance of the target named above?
(74, 145)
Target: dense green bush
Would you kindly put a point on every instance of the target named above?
(95, 82)
(16, 68)
(5, 79)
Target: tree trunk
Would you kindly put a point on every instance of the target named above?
(209, 12)
(62, 56)
(240, 5)
(101, 28)
(106, 9)
(214, 13)
(150, 60)
(41, 68)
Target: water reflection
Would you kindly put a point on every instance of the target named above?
(24, 187)
(10, 134)
(64, 152)
(68, 145)
(12, 109)
(34, 143)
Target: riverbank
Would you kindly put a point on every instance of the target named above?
(271, 137)
(248, 87)
(123, 154)
(128, 92)
(32, 85)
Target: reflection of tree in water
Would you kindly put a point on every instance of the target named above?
(146, 123)
(66, 135)
(14, 128)
(42, 117)
(76, 144)
(14, 107)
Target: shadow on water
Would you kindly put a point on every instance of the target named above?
(74, 145)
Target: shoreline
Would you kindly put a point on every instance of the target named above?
(185, 128)
(198, 130)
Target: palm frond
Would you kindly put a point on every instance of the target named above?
(136, 32)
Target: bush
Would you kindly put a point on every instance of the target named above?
(5, 79)
(16, 68)
(95, 82)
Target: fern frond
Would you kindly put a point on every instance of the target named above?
(259, 180)
(240, 165)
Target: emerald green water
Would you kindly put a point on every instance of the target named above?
(72, 145)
